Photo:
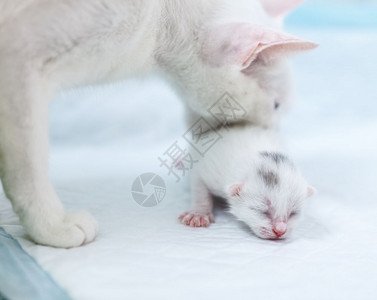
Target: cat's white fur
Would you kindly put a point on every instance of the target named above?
(204, 48)
(261, 185)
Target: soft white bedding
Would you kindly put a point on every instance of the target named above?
(103, 139)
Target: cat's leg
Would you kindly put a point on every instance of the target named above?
(200, 214)
(24, 163)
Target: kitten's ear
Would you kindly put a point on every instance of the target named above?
(239, 44)
(280, 8)
(235, 190)
(311, 191)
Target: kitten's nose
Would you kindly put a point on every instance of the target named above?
(280, 229)
(279, 233)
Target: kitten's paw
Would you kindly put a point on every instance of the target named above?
(195, 219)
(76, 229)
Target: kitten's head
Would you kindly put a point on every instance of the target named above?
(271, 198)
(248, 61)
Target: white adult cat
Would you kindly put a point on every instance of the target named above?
(204, 48)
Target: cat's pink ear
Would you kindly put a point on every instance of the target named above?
(280, 8)
(311, 191)
(239, 44)
(235, 190)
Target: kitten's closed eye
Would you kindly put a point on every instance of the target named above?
(261, 212)
(266, 213)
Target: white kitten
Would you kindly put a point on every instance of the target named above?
(261, 185)
(204, 48)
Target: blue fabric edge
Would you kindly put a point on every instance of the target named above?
(57, 291)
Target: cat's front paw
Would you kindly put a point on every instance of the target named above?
(194, 219)
(74, 230)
